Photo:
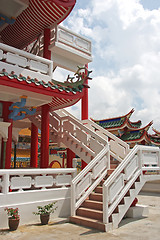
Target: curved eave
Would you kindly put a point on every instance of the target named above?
(126, 124)
(146, 128)
(60, 98)
(154, 140)
(134, 125)
(115, 118)
(144, 136)
(34, 19)
(156, 132)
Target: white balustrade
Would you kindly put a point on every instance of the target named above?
(76, 136)
(86, 181)
(140, 159)
(35, 179)
(24, 63)
(63, 35)
(69, 49)
(118, 148)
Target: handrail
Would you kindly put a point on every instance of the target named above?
(86, 181)
(120, 181)
(118, 148)
(63, 116)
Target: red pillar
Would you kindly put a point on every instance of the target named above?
(84, 105)
(34, 146)
(45, 137)
(70, 156)
(46, 52)
(6, 112)
(84, 110)
(45, 111)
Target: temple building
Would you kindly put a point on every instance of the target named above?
(130, 132)
(32, 46)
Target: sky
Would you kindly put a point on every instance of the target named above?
(125, 37)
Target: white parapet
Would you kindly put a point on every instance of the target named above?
(24, 63)
(69, 49)
(29, 188)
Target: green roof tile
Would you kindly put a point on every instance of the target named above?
(132, 135)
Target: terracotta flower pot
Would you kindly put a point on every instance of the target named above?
(44, 218)
(13, 224)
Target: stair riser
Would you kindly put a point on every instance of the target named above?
(99, 190)
(96, 205)
(89, 214)
(96, 197)
(87, 223)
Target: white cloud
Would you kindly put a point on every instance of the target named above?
(126, 57)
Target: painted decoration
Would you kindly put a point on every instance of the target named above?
(19, 111)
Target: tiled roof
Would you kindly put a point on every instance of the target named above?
(155, 140)
(111, 123)
(135, 124)
(118, 121)
(55, 85)
(133, 135)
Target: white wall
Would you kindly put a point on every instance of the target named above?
(27, 203)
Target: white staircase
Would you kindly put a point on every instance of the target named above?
(100, 199)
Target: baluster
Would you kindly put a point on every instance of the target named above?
(5, 183)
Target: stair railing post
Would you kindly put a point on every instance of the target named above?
(105, 204)
(73, 200)
(139, 154)
(5, 186)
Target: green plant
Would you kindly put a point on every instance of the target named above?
(47, 209)
(12, 212)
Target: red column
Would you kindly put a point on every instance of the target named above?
(46, 52)
(45, 137)
(9, 141)
(45, 111)
(34, 146)
(84, 111)
(70, 156)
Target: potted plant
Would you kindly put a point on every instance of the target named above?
(13, 220)
(45, 211)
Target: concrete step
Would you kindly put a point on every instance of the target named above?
(90, 213)
(96, 197)
(93, 204)
(87, 222)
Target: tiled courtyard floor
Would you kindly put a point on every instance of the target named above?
(130, 229)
